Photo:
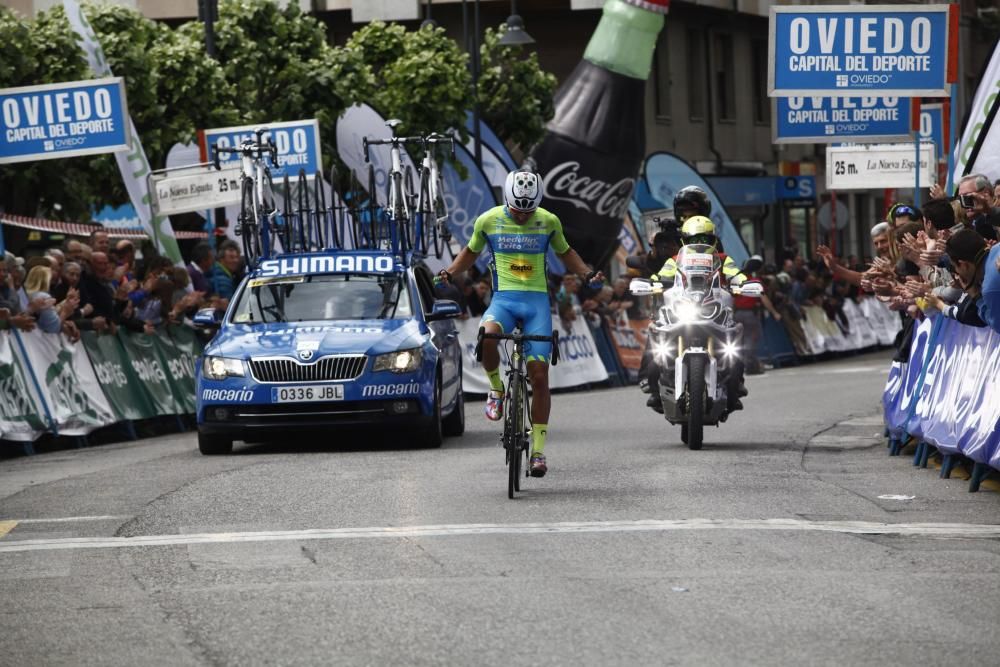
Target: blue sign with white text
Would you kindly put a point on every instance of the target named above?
(63, 120)
(932, 127)
(817, 120)
(801, 188)
(850, 51)
(297, 143)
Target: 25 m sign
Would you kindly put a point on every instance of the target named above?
(849, 51)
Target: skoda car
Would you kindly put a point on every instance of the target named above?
(321, 340)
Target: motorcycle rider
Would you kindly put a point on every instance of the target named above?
(700, 230)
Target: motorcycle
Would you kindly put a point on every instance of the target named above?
(695, 341)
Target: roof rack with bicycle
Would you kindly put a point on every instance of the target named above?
(412, 224)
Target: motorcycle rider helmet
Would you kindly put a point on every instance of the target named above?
(699, 230)
(691, 200)
(522, 190)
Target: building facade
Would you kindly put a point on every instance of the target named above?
(706, 99)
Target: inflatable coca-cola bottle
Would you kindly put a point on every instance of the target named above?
(593, 147)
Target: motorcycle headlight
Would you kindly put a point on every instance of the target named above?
(686, 312)
(219, 368)
(730, 349)
(402, 361)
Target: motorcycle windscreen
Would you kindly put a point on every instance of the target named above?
(698, 266)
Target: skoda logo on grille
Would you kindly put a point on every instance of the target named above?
(305, 355)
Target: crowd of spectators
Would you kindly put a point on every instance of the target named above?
(95, 285)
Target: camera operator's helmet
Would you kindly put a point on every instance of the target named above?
(699, 230)
(691, 200)
(522, 191)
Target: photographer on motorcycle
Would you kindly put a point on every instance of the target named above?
(700, 230)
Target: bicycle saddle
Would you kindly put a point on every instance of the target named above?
(393, 122)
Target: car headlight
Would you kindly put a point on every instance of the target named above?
(402, 361)
(219, 368)
(686, 312)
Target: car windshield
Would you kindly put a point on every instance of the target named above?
(322, 297)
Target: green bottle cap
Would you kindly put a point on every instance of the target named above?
(625, 38)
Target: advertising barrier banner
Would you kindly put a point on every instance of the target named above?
(61, 120)
(21, 414)
(142, 352)
(846, 51)
(126, 394)
(629, 339)
(67, 383)
(578, 364)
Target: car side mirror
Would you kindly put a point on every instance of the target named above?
(444, 309)
(208, 318)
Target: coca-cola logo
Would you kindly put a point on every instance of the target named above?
(565, 183)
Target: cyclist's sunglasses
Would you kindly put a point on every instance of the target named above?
(701, 239)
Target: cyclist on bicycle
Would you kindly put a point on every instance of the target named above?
(519, 234)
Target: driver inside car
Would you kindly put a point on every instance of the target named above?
(699, 230)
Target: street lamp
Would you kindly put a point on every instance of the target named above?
(516, 35)
(428, 21)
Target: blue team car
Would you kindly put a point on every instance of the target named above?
(315, 341)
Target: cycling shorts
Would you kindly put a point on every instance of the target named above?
(531, 311)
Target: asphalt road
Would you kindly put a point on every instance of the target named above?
(770, 546)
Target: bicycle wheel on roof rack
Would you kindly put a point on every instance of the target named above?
(354, 210)
(428, 231)
(246, 229)
(373, 210)
(319, 219)
(283, 227)
(332, 232)
(304, 211)
(407, 225)
(441, 220)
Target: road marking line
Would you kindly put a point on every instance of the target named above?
(980, 531)
(6, 527)
(72, 519)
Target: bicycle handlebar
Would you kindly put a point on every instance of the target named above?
(394, 141)
(248, 148)
(518, 338)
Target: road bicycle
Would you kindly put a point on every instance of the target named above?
(431, 218)
(398, 199)
(257, 209)
(516, 438)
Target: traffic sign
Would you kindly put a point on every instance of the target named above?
(932, 127)
(868, 166)
(817, 120)
(297, 142)
(825, 216)
(63, 120)
(846, 51)
(195, 188)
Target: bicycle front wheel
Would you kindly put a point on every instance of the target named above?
(515, 433)
(247, 229)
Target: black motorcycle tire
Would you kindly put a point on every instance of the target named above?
(696, 402)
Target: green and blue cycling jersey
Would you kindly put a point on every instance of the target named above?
(520, 286)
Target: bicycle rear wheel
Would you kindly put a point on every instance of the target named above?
(428, 232)
(247, 229)
(284, 228)
(373, 209)
(319, 220)
(442, 235)
(304, 211)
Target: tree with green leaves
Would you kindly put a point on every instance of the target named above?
(515, 94)
(421, 76)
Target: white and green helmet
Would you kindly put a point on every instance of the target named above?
(522, 191)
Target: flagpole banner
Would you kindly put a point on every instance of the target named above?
(356, 123)
(978, 151)
(132, 163)
(67, 383)
(21, 415)
(578, 364)
(126, 394)
(666, 173)
(148, 366)
(490, 139)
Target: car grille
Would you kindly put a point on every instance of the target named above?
(325, 369)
